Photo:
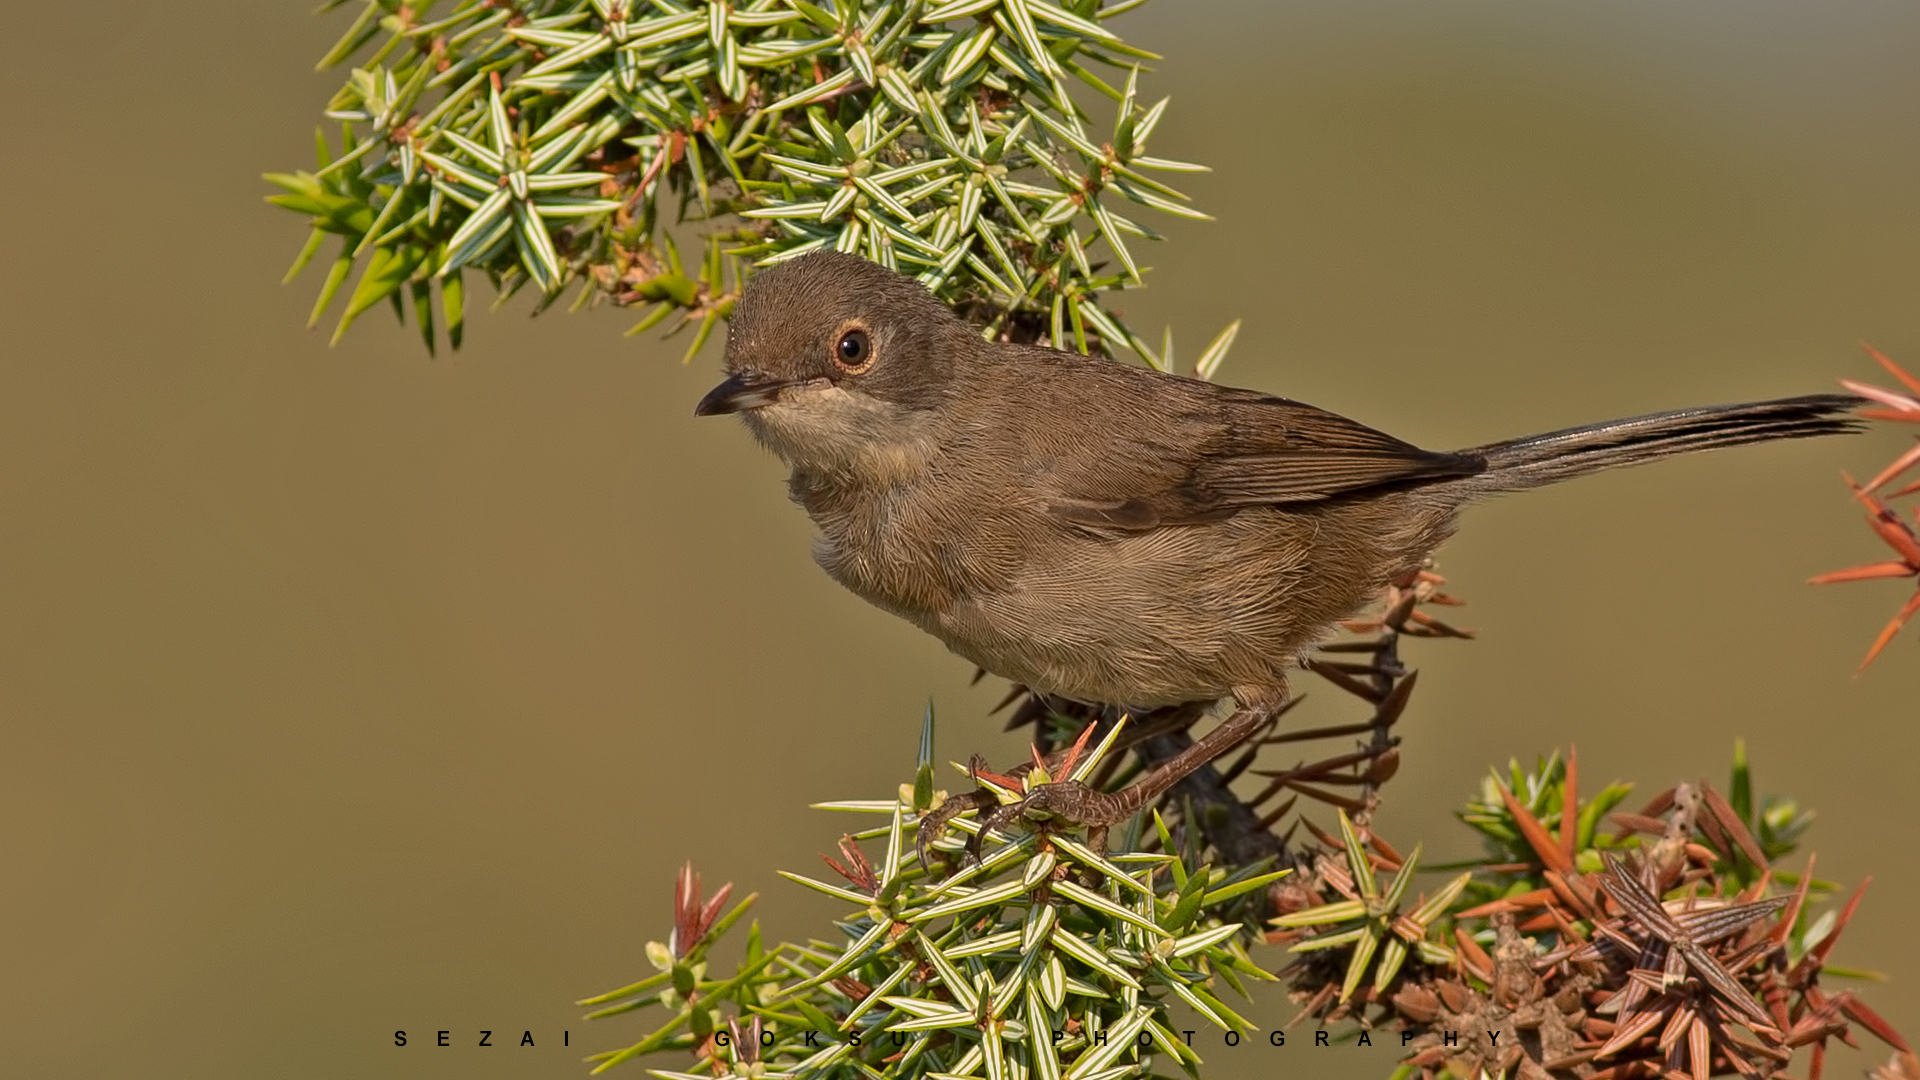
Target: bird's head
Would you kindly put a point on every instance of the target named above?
(837, 363)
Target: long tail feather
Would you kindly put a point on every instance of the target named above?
(1530, 462)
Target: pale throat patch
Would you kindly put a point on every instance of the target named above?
(825, 429)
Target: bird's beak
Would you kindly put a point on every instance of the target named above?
(739, 393)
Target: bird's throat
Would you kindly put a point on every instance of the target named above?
(845, 438)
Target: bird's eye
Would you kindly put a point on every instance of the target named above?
(854, 353)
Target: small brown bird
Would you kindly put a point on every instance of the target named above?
(1107, 533)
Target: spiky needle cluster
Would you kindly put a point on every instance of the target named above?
(552, 142)
(1661, 949)
(1046, 960)
(1883, 515)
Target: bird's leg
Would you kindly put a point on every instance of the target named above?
(1076, 803)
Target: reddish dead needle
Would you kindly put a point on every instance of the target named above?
(1885, 521)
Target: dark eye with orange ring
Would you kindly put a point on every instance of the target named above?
(854, 352)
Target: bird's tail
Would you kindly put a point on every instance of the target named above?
(1518, 464)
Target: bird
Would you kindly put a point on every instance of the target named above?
(1107, 533)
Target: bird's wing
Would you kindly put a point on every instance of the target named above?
(1225, 450)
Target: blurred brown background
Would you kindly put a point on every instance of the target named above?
(346, 690)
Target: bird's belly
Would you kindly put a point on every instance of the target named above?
(1171, 615)
(1082, 629)
(1176, 615)
(1098, 666)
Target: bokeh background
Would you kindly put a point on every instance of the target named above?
(346, 690)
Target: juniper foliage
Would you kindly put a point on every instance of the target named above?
(557, 143)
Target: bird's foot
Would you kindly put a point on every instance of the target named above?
(1069, 802)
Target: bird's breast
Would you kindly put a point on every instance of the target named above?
(906, 548)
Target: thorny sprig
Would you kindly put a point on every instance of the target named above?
(1676, 964)
(856, 869)
(1538, 835)
(1884, 519)
(558, 141)
(680, 981)
(1695, 988)
(693, 920)
(1382, 681)
(1045, 959)
(1368, 919)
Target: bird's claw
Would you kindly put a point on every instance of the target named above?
(1068, 802)
(934, 822)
